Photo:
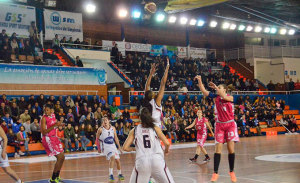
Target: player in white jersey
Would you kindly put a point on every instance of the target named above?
(106, 140)
(152, 102)
(149, 160)
(4, 159)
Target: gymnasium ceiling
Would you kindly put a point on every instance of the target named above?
(286, 10)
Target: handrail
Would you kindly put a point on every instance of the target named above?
(82, 45)
(244, 67)
(45, 91)
(117, 92)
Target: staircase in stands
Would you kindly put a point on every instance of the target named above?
(63, 61)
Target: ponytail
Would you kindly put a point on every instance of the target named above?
(146, 101)
(146, 118)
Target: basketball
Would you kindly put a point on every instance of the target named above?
(150, 7)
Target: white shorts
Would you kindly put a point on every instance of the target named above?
(3, 162)
(154, 167)
(109, 152)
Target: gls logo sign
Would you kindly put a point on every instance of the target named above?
(56, 19)
(14, 17)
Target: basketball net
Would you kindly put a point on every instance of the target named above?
(175, 6)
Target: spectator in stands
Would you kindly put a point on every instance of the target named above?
(255, 124)
(84, 141)
(4, 100)
(41, 100)
(51, 59)
(63, 40)
(5, 53)
(32, 29)
(98, 114)
(25, 116)
(271, 86)
(102, 100)
(28, 50)
(15, 111)
(23, 139)
(13, 36)
(27, 128)
(8, 120)
(70, 41)
(291, 85)
(55, 43)
(36, 130)
(4, 126)
(11, 141)
(78, 62)
(14, 47)
(3, 35)
(297, 85)
(70, 100)
(136, 102)
(35, 45)
(126, 115)
(38, 109)
(113, 108)
(114, 51)
(70, 137)
(60, 133)
(77, 41)
(243, 125)
(91, 135)
(127, 129)
(175, 129)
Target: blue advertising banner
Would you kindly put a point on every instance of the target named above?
(157, 50)
(27, 74)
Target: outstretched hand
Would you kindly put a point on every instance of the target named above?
(153, 68)
(168, 62)
(199, 78)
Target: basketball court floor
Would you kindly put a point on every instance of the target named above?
(263, 159)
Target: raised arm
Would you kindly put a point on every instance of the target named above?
(129, 141)
(201, 86)
(99, 131)
(161, 91)
(163, 138)
(4, 137)
(117, 140)
(152, 72)
(191, 125)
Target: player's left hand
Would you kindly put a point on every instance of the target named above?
(3, 155)
(121, 150)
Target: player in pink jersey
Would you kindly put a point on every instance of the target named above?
(225, 126)
(201, 123)
(51, 143)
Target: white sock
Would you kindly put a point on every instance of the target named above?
(119, 172)
(110, 171)
(19, 181)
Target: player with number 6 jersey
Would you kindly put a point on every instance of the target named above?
(149, 160)
(225, 126)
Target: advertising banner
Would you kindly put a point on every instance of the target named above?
(197, 52)
(158, 50)
(65, 24)
(182, 52)
(16, 18)
(137, 47)
(110, 44)
(27, 74)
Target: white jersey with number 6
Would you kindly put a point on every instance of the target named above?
(108, 146)
(149, 160)
(156, 113)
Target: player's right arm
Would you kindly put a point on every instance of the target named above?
(163, 138)
(129, 141)
(97, 139)
(191, 125)
(46, 130)
(201, 86)
(152, 72)
(4, 137)
(162, 87)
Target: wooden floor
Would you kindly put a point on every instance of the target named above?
(248, 169)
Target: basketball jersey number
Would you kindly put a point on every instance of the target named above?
(146, 140)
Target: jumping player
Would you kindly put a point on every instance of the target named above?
(152, 102)
(51, 143)
(149, 160)
(106, 140)
(225, 126)
(4, 159)
(201, 123)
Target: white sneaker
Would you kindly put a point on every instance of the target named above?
(21, 153)
(16, 155)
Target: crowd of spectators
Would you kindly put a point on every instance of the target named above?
(19, 46)
(80, 117)
(181, 73)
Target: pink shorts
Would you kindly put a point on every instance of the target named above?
(52, 145)
(201, 138)
(226, 132)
